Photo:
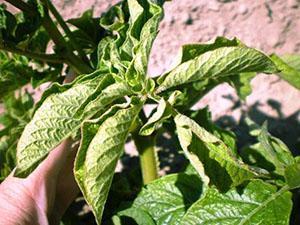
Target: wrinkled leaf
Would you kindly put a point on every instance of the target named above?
(138, 68)
(190, 51)
(136, 23)
(224, 61)
(192, 92)
(257, 203)
(163, 112)
(203, 118)
(168, 198)
(287, 72)
(58, 116)
(212, 159)
(98, 155)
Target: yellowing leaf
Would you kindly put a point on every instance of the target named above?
(98, 155)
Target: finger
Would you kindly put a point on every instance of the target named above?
(42, 181)
(66, 189)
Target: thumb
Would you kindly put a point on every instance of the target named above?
(43, 180)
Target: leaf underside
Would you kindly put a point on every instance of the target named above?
(61, 114)
(98, 155)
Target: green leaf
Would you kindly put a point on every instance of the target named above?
(287, 72)
(164, 111)
(212, 159)
(89, 31)
(139, 216)
(39, 41)
(15, 72)
(98, 154)
(8, 23)
(270, 153)
(114, 18)
(107, 96)
(61, 112)
(190, 51)
(241, 83)
(292, 60)
(257, 203)
(203, 118)
(2, 16)
(292, 175)
(138, 68)
(39, 6)
(136, 25)
(252, 156)
(275, 150)
(17, 112)
(224, 61)
(168, 198)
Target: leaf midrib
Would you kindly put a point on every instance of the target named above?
(264, 204)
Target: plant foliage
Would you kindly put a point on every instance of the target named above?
(104, 106)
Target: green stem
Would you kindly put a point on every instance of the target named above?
(147, 154)
(51, 58)
(66, 29)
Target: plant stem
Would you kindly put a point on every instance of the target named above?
(76, 63)
(23, 6)
(71, 59)
(51, 58)
(66, 29)
(147, 154)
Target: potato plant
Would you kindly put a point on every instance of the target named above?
(104, 106)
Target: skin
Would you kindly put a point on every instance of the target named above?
(43, 197)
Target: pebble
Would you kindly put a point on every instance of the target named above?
(243, 9)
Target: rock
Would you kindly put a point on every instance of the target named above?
(243, 9)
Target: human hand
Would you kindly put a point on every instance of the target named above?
(42, 197)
